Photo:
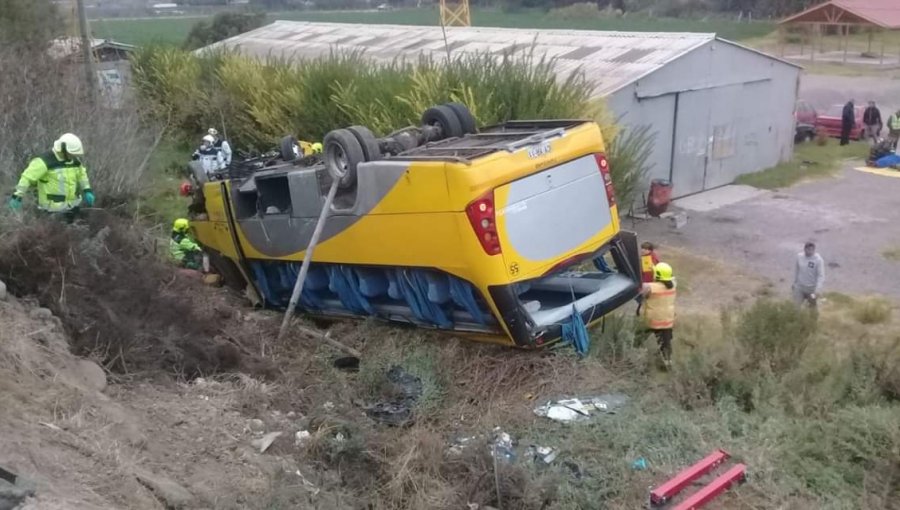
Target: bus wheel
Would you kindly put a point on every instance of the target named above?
(289, 148)
(445, 118)
(466, 119)
(343, 153)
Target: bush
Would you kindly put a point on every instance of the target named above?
(775, 333)
(875, 311)
(223, 26)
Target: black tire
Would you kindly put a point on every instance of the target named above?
(466, 119)
(289, 145)
(367, 140)
(343, 153)
(445, 118)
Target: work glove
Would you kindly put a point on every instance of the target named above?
(15, 203)
(89, 198)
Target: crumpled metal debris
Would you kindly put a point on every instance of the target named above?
(503, 447)
(542, 454)
(506, 448)
(581, 408)
(398, 412)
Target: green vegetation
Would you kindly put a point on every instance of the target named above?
(815, 423)
(264, 101)
(175, 30)
(872, 311)
(810, 161)
(222, 26)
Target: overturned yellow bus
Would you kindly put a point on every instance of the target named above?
(445, 226)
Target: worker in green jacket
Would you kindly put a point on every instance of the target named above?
(183, 249)
(59, 177)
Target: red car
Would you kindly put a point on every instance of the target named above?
(829, 122)
(804, 113)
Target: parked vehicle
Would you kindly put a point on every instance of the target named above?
(805, 117)
(441, 225)
(805, 113)
(829, 123)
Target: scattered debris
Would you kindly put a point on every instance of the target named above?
(390, 413)
(266, 441)
(257, 425)
(328, 406)
(41, 313)
(12, 494)
(639, 464)
(503, 446)
(306, 483)
(581, 408)
(576, 471)
(398, 411)
(348, 363)
(543, 454)
(300, 437)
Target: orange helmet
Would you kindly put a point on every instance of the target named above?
(186, 189)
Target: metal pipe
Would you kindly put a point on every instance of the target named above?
(307, 258)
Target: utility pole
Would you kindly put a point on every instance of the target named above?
(86, 52)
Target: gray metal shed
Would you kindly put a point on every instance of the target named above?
(717, 109)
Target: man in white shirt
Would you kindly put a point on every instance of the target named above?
(809, 276)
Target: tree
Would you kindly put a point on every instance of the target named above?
(223, 26)
(28, 24)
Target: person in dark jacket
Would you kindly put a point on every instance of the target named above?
(872, 121)
(848, 119)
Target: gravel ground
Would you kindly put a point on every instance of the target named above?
(852, 218)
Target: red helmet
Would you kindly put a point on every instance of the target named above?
(186, 189)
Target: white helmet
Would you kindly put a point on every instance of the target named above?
(209, 138)
(213, 132)
(70, 144)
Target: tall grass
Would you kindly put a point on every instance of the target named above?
(256, 102)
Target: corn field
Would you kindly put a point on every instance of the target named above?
(256, 102)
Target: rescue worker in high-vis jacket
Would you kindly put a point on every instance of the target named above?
(659, 308)
(184, 250)
(60, 178)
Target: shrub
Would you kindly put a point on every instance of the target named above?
(221, 27)
(874, 311)
(775, 333)
(629, 153)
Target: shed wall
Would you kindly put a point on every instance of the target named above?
(718, 112)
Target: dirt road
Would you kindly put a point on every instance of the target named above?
(851, 217)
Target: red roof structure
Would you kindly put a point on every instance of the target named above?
(880, 13)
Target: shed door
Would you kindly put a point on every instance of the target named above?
(727, 109)
(691, 139)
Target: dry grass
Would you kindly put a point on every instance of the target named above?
(872, 311)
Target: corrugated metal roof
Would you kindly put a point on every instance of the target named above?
(882, 13)
(71, 46)
(611, 60)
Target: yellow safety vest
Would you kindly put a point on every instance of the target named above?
(60, 184)
(894, 123)
(659, 308)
